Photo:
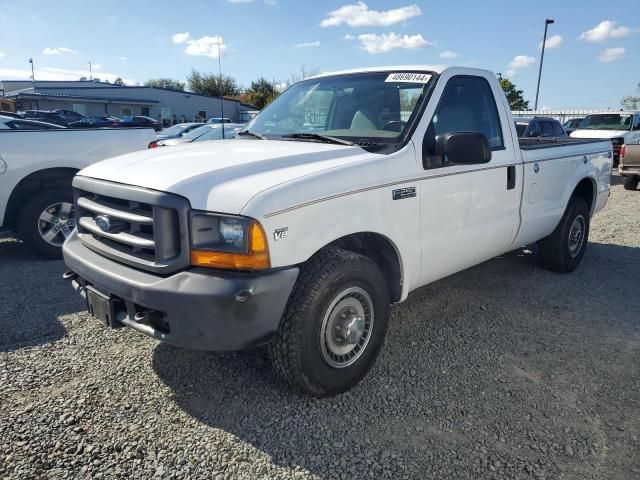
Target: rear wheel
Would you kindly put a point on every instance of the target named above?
(334, 324)
(630, 183)
(563, 250)
(46, 220)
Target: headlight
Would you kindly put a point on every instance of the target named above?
(617, 141)
(226, 241)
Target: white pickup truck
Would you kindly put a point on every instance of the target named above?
(36, 168)
(345, 194)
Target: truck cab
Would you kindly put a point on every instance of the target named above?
(622, 128)
(346, 193)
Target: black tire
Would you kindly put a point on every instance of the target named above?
(630, 182)
(558, 251)
(297, 351)
(29, 220)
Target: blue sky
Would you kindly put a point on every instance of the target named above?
(593, 63)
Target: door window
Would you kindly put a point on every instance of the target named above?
(466, 105)
(557, 129)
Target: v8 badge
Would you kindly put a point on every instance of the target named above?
(280, 233)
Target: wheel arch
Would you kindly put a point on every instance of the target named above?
(36, 182)
(587, 190)
(382, 251)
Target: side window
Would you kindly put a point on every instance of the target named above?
(636, 122)
(557, 129)
(547, 129)
(466, 105)
(534, 129)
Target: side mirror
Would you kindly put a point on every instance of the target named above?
(462, 148)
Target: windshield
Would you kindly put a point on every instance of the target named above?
(175, 130)
(196, 132)
(371, 107)
(607, 121)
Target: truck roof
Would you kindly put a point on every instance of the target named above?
(417, 68)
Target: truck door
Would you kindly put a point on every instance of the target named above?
(469, 213)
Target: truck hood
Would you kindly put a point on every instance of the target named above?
(223, 175)
(583, 133)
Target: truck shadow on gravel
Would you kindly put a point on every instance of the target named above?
(32, 297)
(504, 363)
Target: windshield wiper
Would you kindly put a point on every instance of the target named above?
(317, 137)
(249, 133)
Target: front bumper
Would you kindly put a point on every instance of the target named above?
(197, 308)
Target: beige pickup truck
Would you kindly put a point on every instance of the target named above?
(629, 166)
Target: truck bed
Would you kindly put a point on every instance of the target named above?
(538, 143)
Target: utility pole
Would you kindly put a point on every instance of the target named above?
(547, 22)
(220, 87)
(33, 76)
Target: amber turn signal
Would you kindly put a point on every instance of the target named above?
(257, 257)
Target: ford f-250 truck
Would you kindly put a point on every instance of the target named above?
(36, 168)
(345, 194)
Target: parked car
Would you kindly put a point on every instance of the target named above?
(629, 166)
(301, 239)
(13, 123)
(96, 122)
(36, 168)
(69, 115)
(140, 121)
(177, 130)
(212, 130)
(46, 116)
(622, 128)
(571, 124)
(219, 120)
(539, 127)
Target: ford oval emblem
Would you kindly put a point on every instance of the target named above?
(103, 222)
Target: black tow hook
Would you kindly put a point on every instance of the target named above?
(69, 275)
(145, 316)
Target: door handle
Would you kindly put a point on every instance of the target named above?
(511, 177)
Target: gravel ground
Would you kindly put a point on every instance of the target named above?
(502, 371)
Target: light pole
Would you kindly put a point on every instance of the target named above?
(547, 22)
(90, 72)
(220, 87)
(33, 76)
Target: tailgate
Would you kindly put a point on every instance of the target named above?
(631, 155)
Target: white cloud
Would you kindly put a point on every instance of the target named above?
(374, 43)
(281, 87)
(2, 54)
(206, 47)
(521, 61)
(359, 15)
(50, 73)
(308, 44)
(271, 3)
(604, 31)
(124, 59)
(57, 50)
(240, 1)
(348, 36)
(200, 47)
(449, 55)
(96, 66)
(180, 37)
(553, 41)
(612, 54)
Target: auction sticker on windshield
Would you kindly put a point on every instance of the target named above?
(409, 77)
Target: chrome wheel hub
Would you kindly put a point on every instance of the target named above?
(346, 327)
(56, 223)
(576, 235)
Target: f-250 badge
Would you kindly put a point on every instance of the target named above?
(400, 193)
(280, 233)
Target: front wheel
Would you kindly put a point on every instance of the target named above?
(563, 250)
(334, 324)
(46, 220)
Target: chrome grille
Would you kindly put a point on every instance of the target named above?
(141, 227)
